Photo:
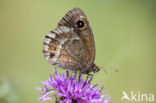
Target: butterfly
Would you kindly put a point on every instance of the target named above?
(71, 45)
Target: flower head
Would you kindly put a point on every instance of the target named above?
(71, 90)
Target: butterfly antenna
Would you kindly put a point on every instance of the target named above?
(106, 69)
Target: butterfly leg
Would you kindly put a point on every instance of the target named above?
(90, 76)
(56, 100)
(75, 74)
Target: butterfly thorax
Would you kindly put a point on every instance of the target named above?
(91, 68)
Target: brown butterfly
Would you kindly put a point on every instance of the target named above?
(71, 45)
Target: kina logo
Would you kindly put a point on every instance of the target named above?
(137, 97)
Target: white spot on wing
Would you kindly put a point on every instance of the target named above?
(45, 47)
(82, 17)
(72, 29)
(60, 31)
(65, 29)
(47, 54)
(47, 57)
(51, 35)
(75, 38)
(47, 40)
(56, 31)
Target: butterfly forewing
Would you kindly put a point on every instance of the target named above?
(71, 44)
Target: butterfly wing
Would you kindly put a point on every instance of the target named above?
(64, 48)
(85, 34)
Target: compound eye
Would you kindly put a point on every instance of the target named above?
(80, 24)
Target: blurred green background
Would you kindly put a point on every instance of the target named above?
(125, 39)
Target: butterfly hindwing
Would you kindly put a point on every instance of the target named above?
(63, 48)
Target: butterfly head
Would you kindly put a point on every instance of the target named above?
(95, 68)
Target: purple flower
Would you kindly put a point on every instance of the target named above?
(71, 90)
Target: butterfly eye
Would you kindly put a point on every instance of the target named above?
(80, 24)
